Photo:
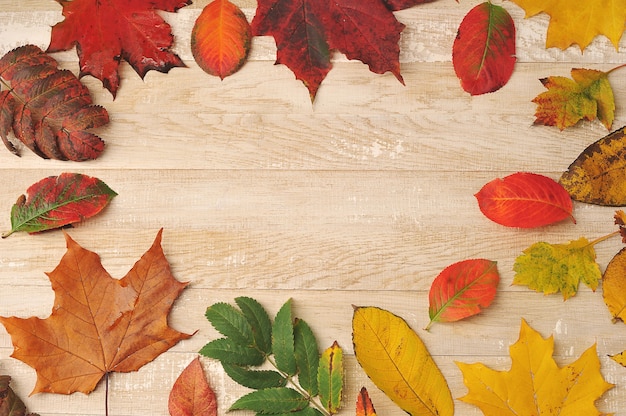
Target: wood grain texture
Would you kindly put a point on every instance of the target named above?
(360, 198)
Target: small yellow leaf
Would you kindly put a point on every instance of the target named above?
(397, 361)
(535, 385)
(614, 286)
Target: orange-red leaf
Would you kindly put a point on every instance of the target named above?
(462, 290)
(98, 324)
(364, 406)
(191, 394)
(220, 40)
(483, 53)
(525, 200)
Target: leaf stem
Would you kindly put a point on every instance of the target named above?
(604, 237)
(106, 394)
(617, 67)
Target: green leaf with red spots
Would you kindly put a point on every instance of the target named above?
(306, 31)
(58, 201)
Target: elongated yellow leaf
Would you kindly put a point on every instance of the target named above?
(397, 361)
(614, 286)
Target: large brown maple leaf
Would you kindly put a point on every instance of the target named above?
(98, 324)
(105, 31)
(306, 31)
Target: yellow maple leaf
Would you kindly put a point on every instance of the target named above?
(535, 385)
(578, 22)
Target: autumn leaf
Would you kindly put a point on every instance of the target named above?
(584, 97)
(552, 268)
(462, 290)
(579, 22)
(306, 31)
(395, 5)
(107, 31)
(598, 175)
(397, 361)
(524, 200)
(220, 40)
(98, 325)
(191, 394)
(483, 53)
(614, 286)
(48, 109)
(57, 201)
(535, 385)
(10, 403)
(330, 378)
(364, 406)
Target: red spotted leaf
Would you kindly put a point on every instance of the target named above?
(462, 290)
(58, 201)
(306, 31)
(364, 406)
(525, 200)
(107, 31)
(48, 109)
(191, 394)
(220, 40)
(483, 53)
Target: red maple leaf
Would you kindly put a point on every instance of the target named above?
(306, 31)
(107, 31)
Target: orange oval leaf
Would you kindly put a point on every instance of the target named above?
(220, 40)
(462, 290)
(525, 200)
(191, 394)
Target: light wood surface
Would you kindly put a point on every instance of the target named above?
(361, 198)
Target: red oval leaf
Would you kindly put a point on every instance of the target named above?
(525, 200)
(483, 53)
(191, 394)
(220, 40)
(462, 289)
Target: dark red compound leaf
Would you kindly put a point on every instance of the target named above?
(48, 109)
(525, 200)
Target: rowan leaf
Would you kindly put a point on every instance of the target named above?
(254, 379)
(614, 286)
(462, 290)
(579, 22)
(584, 97)
(306, 31)
(105, 32)
(48, 109)
(364, 406)
(98, 324)
(230, 322)
(330, 378)
(535, 385)
(553, 268)
(229, 351)
(483, 53)
(397, 361)
(259, 322)
(58, 201)
(283, 340)
(271, 401)
(307, 356)
(10, 403)
(220, 39)
(524, 200)
(598, 175)
(191, 394)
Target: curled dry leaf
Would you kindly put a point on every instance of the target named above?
(525, 200)
(191, 394)
(10, 403)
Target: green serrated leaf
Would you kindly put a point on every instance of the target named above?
(307, 356)
(228, 351)
(230, 322)
(330, 378)
(254, 379)
(259, 322)
(307, 411)
(283, 342)
(273, 401)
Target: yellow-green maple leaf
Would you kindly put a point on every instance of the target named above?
(553, 268)
(535, 385)
(578, 22)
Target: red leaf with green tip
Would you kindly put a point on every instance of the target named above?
(191, 394)
(483, 53)
(57, 201)
(462, 289)
(525, 200)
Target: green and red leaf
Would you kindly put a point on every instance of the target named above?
(330, 378)
(462, 290)
(191, 394)
(525, 200)
(483, 53)
(220, 40)
(58, 201)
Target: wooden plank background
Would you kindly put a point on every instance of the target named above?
(360, 198)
